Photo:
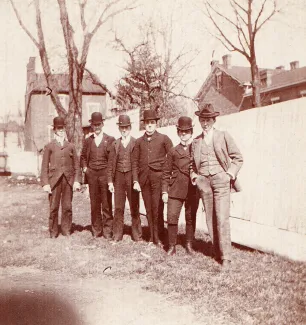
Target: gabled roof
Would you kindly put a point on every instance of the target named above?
(62, 84)
(219, 101)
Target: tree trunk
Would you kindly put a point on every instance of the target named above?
(256, 101)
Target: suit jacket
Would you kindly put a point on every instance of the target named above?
(113, 158)
(85, 154)
(53, 166)
(175, 180)
(227, 153)
(147, 156)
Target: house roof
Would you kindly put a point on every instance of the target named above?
(220, 102)
(62, 84)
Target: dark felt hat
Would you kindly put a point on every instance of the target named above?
(58, 122)
(207, 111)
(96, 117)
(184, 123)
(124, 120)
(149, 114)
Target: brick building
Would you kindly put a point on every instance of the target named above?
(40, 111)
(229, 89)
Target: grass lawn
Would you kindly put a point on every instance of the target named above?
(258, 289)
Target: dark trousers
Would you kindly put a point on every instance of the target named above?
(173, 212)
(151, 194)
(100, 199)
(61, 193)
(215, 193)
(124, 189)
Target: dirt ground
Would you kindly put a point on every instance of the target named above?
(30, 296)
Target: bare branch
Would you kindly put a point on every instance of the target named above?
(22, 24)
(274, 11)
(82, 4)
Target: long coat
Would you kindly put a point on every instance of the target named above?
(58, 160)
(176, 181)
(85, 154)
(146, 156)
(113, 158)
(227, 153)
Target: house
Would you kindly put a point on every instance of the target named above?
(40, 111)
(229, 89)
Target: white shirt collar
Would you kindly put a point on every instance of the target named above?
(209, 135)
(60, 140)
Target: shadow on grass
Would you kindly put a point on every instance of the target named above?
(79, 228)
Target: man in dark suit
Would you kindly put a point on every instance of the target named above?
(60, 176)
(148, 159)
(177, 188)
(120, 180)
(215, 163)
(94, 160)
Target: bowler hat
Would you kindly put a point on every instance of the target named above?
(207, 111)
(184, 123)
(96, 117)
(149, 114)
(124, 120)
(58, 122)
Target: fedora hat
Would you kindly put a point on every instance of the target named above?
(184, 123)
(149, 114)
(207, 111)
(124, 120)
(58, 122)
(96, 117)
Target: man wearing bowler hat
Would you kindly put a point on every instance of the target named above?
(178, 189)
(215, 163)
(120, 180)
(60, 176)
(94, 160)
(148, 160)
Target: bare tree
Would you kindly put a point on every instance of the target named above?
(238, 28)
(155, 78)
(76, 57)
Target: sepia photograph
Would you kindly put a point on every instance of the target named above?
(153, 162)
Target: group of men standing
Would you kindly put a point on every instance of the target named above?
(206, 167)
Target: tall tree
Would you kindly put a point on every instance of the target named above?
(76, 56)
(154, 74)
(236, 25)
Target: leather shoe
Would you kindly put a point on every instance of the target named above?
(189, 249)
(171, 251)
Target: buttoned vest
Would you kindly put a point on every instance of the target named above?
(124, 158)
(209, 162)
(97, 157)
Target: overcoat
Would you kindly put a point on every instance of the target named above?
(149, 154)
(58, 160)
(113, 158)
(227, 153)
(176, 181)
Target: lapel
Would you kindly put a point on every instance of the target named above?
(181, 151)
(117, 145)
(197, 150)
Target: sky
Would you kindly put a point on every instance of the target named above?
(281, 41)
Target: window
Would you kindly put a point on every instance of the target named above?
(50, 132)
(303, 93)
(275, 100)
(219, 80)
(92, 107)
(64, 99)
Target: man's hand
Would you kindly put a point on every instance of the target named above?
(111, 187)
(136, 187)
(165, 197)
(47, 188)
(76, 186)
(84, 169)
(194, 181)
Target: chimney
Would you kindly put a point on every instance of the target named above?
(213, 63)
(265, 78)
(280, 68)
(294, 65)
(31, 69)
(227, 61)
